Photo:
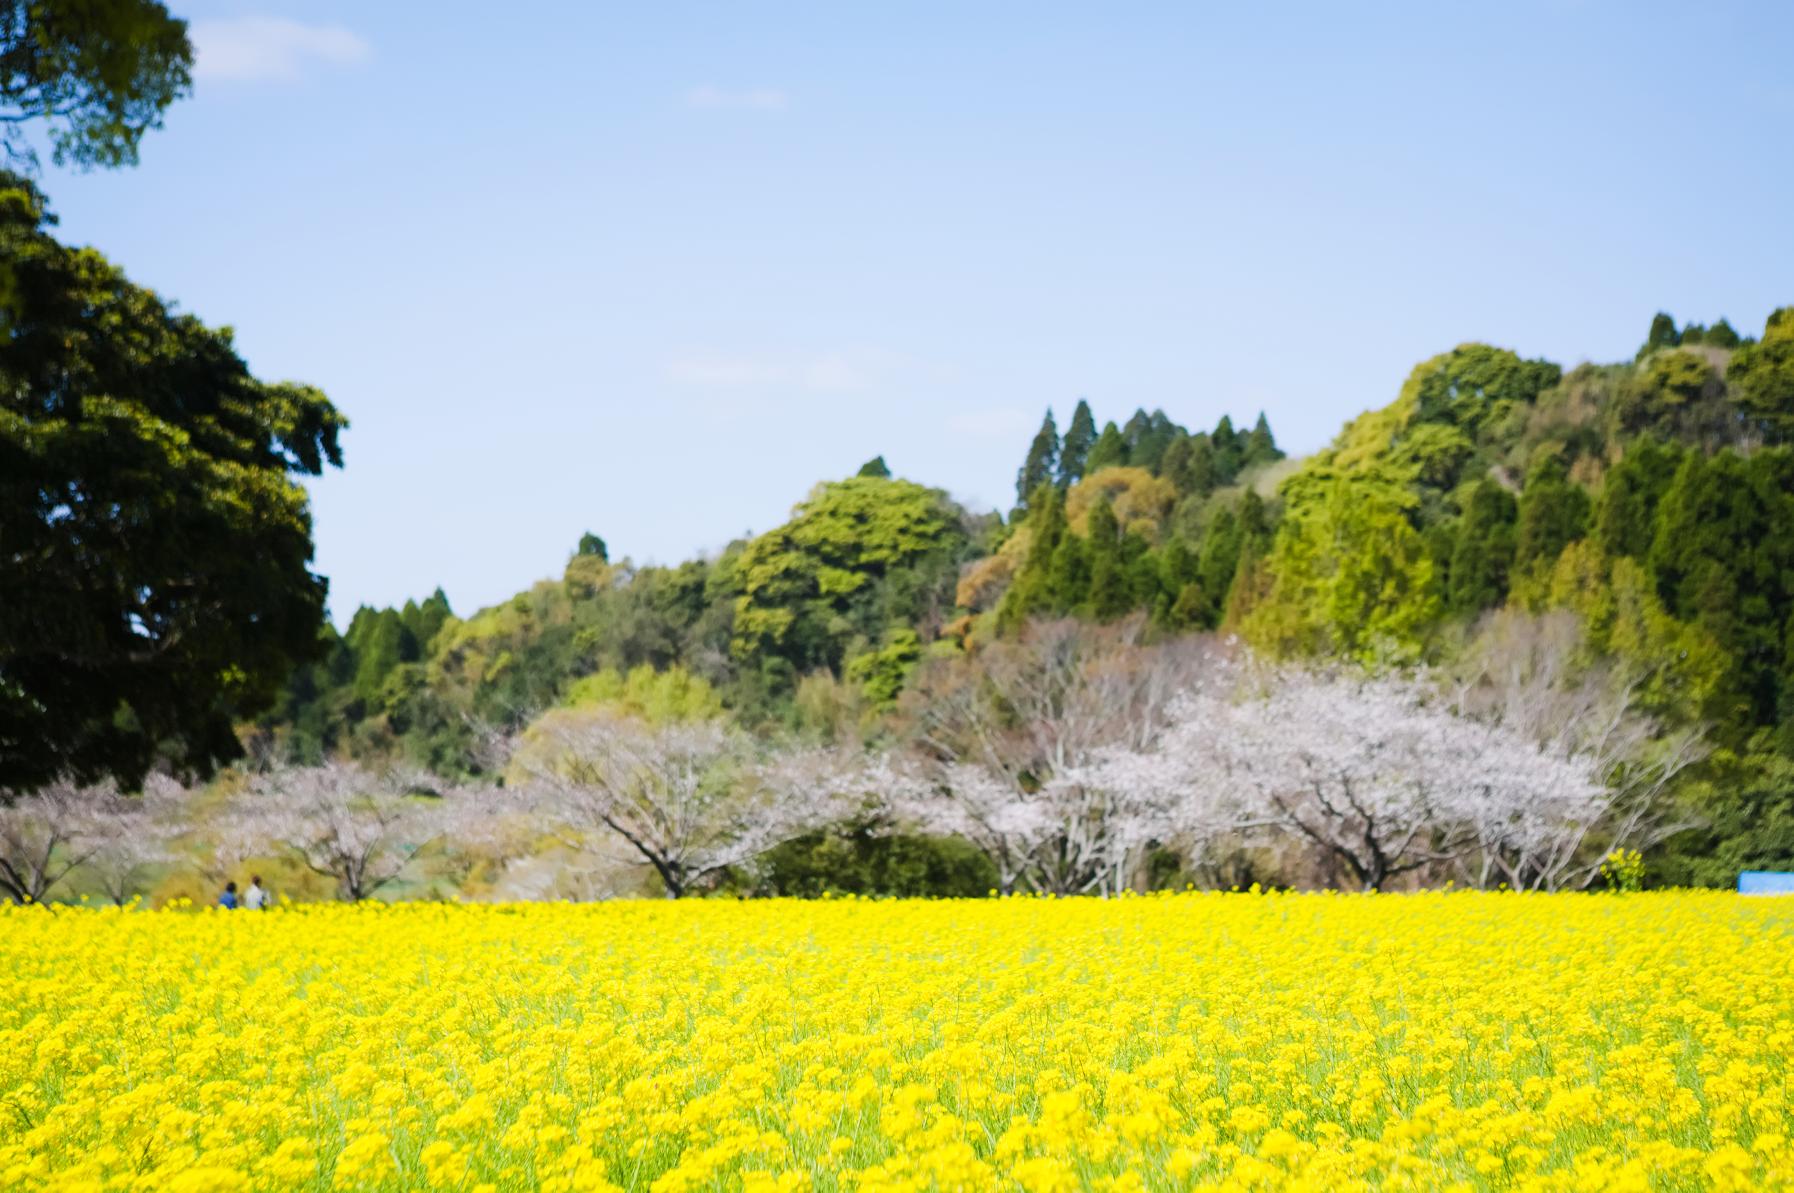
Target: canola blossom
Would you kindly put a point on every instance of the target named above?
(1169, 1042)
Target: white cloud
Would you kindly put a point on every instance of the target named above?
(1003, 421)
(263, 48)
(760, 99)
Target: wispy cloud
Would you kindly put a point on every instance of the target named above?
(1003, 421)
(270, 48)
(759, 99)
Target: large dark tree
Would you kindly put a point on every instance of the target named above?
(96, 74)
(155, 549)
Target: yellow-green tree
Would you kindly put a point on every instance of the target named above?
(1349, 575)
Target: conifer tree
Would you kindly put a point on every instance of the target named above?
(1261, 445)
(876, 466)
(1663, 334)
(1553, 514)
(1723, 335)
(1145, 587)
(1229, 452)
(432, 613)
(1175, 466)
(1148, 436)
(1625, 521)
(1220, 556)
(1031, 591)
(1069, 575)
(1110, 450)
(380, 642)
(1723, 557)
(1255, 520)
(1477, 575)
(1109, 591)
(1202, 466)
(1042, 463)
(1191, 609)
(1074, 449)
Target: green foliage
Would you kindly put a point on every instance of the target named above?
(657, 697)
(875, 467)
(881, 673)
(1624, 870)
(1762, 375)
(867, 860)
(1553, 514)
(1662, 335)
(1074, 450)
(1110, 450)
(857, 555)
(98, 73)
(1032, 592)
(1261, 445)
(155, 581)
(1350, 576)
(592, 547)
(1110, 595)
(1651, 515)
(1042, 463)
(1626, 519)
(1483, 550)
(1747, 806)
(1723, 558)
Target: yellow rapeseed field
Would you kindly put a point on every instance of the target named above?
(1190, 1041)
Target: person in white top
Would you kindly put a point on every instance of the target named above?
(257, 898)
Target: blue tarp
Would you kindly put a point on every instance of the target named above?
(1765, 882)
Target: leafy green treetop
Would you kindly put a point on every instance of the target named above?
(592, 546)
(1762, 374)
(98, 73)
(798, 583)
(876, 466)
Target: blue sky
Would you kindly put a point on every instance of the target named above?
(655, 269)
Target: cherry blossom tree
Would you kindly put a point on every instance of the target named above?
(690, 798)
(137, 833)
(1006, 741)
(1532, 676)
(359, 827)
(1380, 775)
(47, 833)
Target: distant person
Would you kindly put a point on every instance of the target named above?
(257, 898)
(229, 897)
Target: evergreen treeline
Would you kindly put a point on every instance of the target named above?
(1653, 500)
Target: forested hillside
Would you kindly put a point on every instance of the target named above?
(1646, 504)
